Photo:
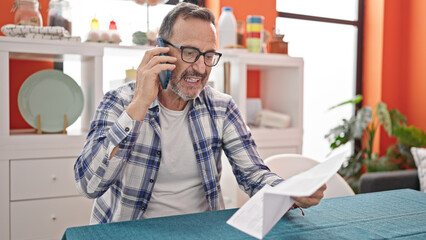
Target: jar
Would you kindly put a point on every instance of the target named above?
(27, 13)
(60, 14)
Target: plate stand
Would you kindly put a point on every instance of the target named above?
(64, 131)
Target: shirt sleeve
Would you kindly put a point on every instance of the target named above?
(238, 144)
(111, 127)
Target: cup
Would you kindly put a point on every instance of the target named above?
(254, 33)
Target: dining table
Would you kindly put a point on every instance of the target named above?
(394, 214)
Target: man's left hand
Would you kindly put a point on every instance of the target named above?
(312, 200)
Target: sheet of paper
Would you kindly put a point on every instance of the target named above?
(249, 218)
(259, 214)
(306, 183)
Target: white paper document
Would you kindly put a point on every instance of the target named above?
(263, 210)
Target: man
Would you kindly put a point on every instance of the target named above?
(152, 152)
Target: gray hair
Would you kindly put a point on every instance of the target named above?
(186, 10)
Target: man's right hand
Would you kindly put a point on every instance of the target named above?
(147, 81)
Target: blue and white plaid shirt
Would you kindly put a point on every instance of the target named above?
(123, 184)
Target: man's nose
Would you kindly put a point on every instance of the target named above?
(199, 65)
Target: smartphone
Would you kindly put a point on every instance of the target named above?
(164, 75)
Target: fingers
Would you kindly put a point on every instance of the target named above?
(150, 65)
(314, 199)
(306, 202)
(149, 54)
(154, 63)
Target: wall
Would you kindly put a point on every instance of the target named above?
(394, 54)
(373, 51)
(415, 77)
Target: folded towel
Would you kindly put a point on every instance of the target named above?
(35, 32)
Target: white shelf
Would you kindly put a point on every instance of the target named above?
(281, 90)
(92, 57)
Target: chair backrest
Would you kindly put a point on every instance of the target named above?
(288, 165)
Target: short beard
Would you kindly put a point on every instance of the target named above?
(176, 90)
(174, 86)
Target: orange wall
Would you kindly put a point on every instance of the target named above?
(373, 60)
(415, 77)
(394, 57)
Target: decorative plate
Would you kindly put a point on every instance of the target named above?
(52, 94)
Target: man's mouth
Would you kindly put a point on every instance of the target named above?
(191, 80)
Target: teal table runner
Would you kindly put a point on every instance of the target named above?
(394, 214)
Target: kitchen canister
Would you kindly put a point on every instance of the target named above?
(254, 33)
(27, 13)
(60, 14)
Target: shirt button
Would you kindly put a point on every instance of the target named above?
(151, 180)
(143, 208)
(126, 129)
(159, 153)
(124, 141)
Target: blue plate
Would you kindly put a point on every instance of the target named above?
(52, 94)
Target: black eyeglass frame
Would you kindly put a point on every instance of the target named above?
(198, 56)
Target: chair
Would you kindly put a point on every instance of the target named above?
(389, 180)
(288, 165)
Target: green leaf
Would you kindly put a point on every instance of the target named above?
(363, 117)
(410, 136)
(397, 118)
(339, 135)
(357, 99)
(381, 164)
(384, 117)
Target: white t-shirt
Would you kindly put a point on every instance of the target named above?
(178, 188)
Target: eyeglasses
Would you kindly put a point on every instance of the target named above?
(191, 55)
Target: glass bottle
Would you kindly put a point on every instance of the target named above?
(27, 13)
(60, 14)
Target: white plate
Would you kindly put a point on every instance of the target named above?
(52, 94)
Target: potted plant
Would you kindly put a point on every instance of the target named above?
(363, 126)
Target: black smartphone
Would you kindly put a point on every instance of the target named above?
(164, 75)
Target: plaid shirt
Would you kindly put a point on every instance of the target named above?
(123, 184)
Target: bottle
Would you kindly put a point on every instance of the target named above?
(27, 13)
(60, 14)
(227, 29)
